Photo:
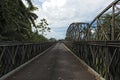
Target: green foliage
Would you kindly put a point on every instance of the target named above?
(16, 21)
(52, 40)
(42, 26)
(35, 37)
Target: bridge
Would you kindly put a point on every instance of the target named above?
(91, 51)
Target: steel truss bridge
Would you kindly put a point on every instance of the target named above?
(96, 44)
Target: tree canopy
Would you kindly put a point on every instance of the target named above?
(17, 20)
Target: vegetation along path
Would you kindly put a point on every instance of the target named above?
(56, 64)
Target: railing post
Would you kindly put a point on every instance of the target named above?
(88, 32)
(113, 22)
(98, 29)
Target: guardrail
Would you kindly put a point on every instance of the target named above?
(102, 56)
(13, 55)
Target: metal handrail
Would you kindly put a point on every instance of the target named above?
(102, 56)
(13, 55)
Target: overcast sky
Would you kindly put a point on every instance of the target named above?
(61, 13)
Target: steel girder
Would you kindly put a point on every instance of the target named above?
(77, 31)
(105, 26)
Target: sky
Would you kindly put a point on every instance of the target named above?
(61, 13)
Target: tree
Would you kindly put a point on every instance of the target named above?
(42, 26)
(16, 20)
(35, 37)
(52, 40)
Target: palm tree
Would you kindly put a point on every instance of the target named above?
(16, 20)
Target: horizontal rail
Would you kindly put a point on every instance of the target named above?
(100, 43)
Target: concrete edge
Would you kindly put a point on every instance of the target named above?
(98, 76)
(23, 65)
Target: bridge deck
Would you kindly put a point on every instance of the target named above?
(56, 64)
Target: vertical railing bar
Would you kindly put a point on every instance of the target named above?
(2, 53)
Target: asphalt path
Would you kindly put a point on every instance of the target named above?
(56, 64)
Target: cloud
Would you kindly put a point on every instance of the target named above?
(61, 13)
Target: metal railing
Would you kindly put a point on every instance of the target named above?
(98, 43)
(102, 56)
(13, 55)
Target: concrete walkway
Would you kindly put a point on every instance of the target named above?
(56, 64)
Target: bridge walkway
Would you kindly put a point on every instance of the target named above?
(56, 63)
